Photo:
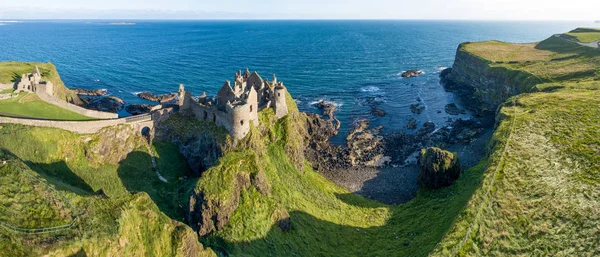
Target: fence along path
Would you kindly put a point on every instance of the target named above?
(43, 230)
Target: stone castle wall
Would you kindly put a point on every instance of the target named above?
(6, 86)
(81, 127)
(44, 96)
(89, 127)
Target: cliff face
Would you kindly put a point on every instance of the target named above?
(483, 83)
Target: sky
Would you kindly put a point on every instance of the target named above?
(303, 9)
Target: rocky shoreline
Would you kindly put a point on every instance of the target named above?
(383, 166)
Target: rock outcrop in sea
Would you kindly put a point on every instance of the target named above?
(437, 168)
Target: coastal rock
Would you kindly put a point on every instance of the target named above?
(452, 109)
(417, 108)
(285, 221)
(327, 108)
(201, 151)
(154, 98)
(89, 92)
(107, 104)
(470, 73)
(137, 109)
(412, 124)
(437, 168)
(378, 112)
(412, 73)
(319, 151)
(373, 101)
(428, 128)
(207, 215)
(365, 146)
(101, 148)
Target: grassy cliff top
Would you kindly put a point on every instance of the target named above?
(554, 59)
(10, 72)
(584, 35)
(539, 195)
(29, 104)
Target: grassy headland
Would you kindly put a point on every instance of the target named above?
(584, 35)
(31, 105)
(542, 183)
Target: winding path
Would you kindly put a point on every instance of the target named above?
(594, 44)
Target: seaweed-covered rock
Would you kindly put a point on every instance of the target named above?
(378, 112)
(437, 168)
(107, 104)
(452, 109)
(412, 73)
(89, 92)
(417, 108)
(137, 109)
(154, 98)
(412, 124)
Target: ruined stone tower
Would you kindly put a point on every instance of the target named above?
(235, 108)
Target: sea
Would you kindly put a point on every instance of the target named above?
(354, 64)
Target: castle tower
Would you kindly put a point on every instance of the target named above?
(36, 76)
(185, 98)
(279, 103)
(225, 95)
(252, 102)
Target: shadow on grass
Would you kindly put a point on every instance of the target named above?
(413, 229)
(61, 176)
(137, 175)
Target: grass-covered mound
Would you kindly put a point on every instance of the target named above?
(123, 208)
(30, 105)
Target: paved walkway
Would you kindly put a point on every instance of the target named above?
(594, 44)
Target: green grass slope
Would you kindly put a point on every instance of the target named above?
(29, 105)
(552, 60)
(584, 35)
(326, 220)
(134, 215)
(541, 186)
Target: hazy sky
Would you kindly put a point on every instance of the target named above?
(310, 9)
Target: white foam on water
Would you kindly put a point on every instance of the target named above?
(439, 69)
(370, 89)
(336, 104)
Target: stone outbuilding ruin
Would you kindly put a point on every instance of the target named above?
(32, 82)
(235, 107)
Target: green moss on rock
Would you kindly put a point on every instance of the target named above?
(437, 168)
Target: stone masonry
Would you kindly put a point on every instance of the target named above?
(33, 83)
(235, 107)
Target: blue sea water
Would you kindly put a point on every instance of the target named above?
(340, 61)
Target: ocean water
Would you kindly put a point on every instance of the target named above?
(345, 62)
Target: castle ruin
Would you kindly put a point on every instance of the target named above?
(32, 82)
(235, 107)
